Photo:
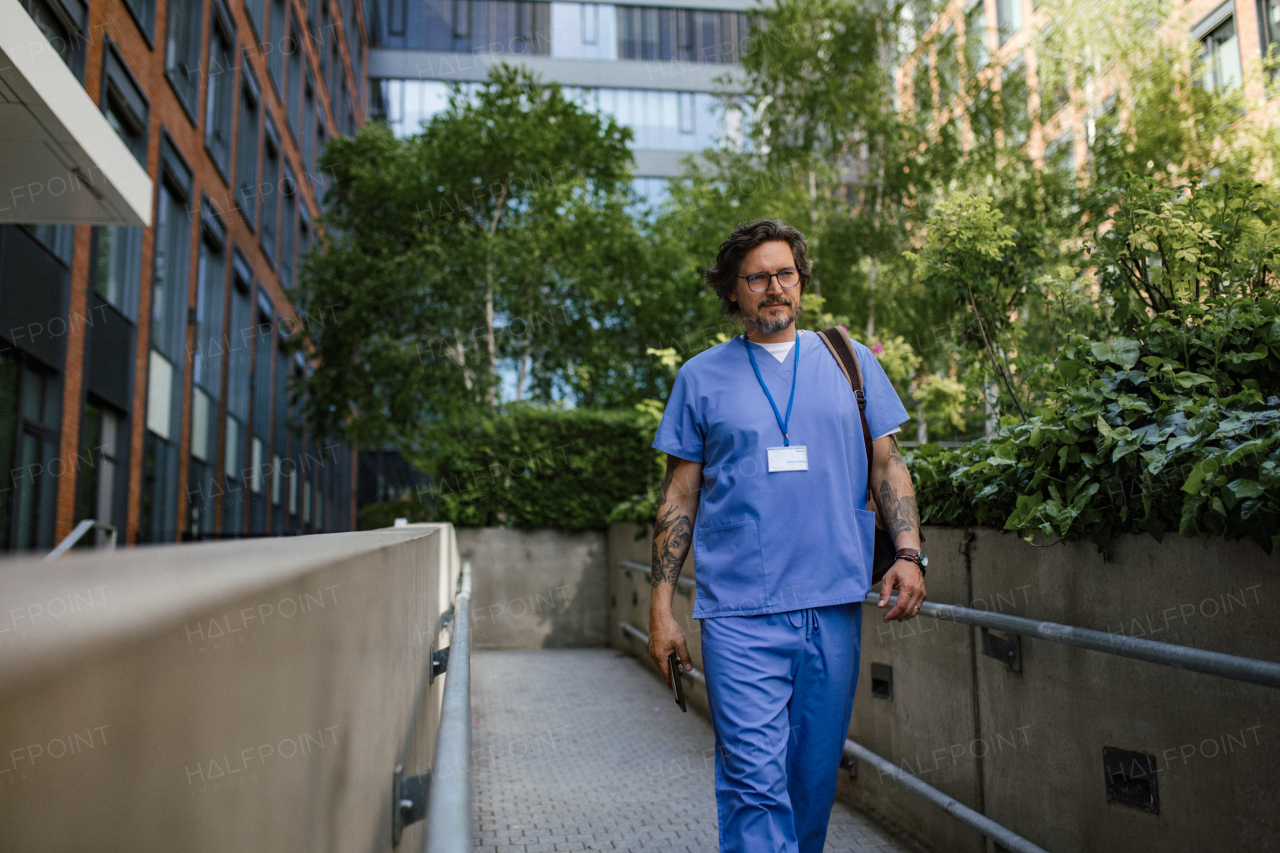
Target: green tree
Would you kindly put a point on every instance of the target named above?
(499, 235)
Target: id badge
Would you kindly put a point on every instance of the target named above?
(794, 458)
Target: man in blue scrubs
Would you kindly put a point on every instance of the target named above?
(767, 479)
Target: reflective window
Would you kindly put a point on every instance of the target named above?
(124, 105)
(1222, 57)
(182, 52)
(975, 38)
(247, 147)
(220, 92)
(687, 35)
(117, 267)
(1008, 18)
(63, 24)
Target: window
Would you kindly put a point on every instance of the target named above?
(64, 24)
(304, 243)
(257, 13)
(975, 38)
(279, 46)
(247, 146)
(99, 471)
(1269, 24)
(684, 102)
(1008, 18)
(239, 340)
(354, 45)
(144, 15)
(948, 67)
(318, 183)
(182, 53)
(1222, 57)
(172, 255)
(922, 89)
(590, 23)
(220, 92)
(1014, 95)
(126, 109)
(289, 192)
(31, 404)
(116, 267)
(210, 290)
(294, 48)
(308, 123)
(681, 34)
(270, 191)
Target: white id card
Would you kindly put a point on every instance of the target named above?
(794, 458)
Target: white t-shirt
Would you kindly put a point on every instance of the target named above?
(780, 352)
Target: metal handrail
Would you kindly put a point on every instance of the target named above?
(449, 805)
(687, 583)
(77, 532)
(1006, 838)
(1249, 670)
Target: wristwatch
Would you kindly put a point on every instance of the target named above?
(915, 555)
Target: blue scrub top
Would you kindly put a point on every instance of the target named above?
(769, 543)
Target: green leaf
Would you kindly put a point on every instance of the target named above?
(1240, 489)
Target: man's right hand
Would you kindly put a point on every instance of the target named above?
(666, 637)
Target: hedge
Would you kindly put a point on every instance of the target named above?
(530, 468)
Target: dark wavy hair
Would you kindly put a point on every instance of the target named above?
(723, 277)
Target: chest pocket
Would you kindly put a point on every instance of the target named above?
(730, 569)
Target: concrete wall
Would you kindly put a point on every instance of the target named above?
(536, 589)
(1027, 748)
(251, 695)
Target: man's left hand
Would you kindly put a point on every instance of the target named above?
(905, 577)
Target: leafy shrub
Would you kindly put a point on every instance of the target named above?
(1176, 428)
(533, 468)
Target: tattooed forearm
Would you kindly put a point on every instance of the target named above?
(673, 529)
(671, 538)
(896, 499)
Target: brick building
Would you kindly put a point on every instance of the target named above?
(146, 326)
(991, 40)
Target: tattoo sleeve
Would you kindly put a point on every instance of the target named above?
(672, 532)
(896, 499)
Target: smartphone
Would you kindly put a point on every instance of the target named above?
(674, 679)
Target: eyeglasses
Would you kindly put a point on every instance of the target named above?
(759, 282)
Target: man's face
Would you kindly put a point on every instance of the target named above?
(774, 310)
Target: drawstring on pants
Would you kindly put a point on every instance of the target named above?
(808, 620)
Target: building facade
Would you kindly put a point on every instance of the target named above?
(991, 40)
(147, 351)
(653, 67)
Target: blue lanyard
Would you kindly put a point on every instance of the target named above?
(782, 424)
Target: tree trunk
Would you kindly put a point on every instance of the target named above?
(490, 341)
(922, 429)
(871, 299)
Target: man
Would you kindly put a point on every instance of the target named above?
(766, 455)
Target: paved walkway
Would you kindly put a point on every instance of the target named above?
(584, 750)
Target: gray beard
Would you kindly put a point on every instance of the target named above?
(771, 324)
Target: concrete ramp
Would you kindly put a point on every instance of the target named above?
(582, 749)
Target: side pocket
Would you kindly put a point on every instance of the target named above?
(865, 521)
(730, 567)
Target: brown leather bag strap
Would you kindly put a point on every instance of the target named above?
(837, 340)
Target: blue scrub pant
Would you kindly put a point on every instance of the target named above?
(781, 692)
